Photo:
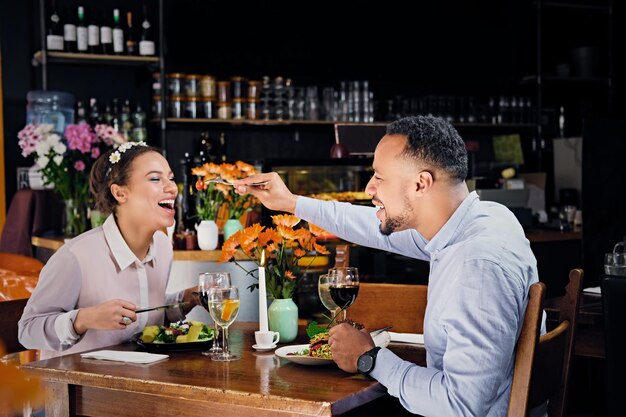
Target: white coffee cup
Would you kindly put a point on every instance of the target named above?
(266, 339)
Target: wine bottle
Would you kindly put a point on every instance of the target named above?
(125, 123)
(106, 36)
(118, 34)
(69, 33)
(81, 116)
(54, 39)
(146, 44)
(131, 43)
(93, 34)
(139, 124)
(81, 31)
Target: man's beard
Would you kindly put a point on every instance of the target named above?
(394, 224)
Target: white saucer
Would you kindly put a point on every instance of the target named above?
(265, 348)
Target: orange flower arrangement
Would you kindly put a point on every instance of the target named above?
(283, 244)
(213, 195)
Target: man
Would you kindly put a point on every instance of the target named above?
(481, 268)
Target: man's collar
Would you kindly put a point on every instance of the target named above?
(122, 254)
(451, 227)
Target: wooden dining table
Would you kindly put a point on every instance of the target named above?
(188, 383)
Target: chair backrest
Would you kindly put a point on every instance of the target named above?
(614, 308)
(10, 314)
(400, 305)
(554, 353)
(525, 352)
(342, 256)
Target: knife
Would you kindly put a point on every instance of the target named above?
(164, 307)
(377, 331)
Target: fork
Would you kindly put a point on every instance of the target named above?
(377, 331)
(219, 180)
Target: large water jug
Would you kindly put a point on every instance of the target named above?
(50, 107)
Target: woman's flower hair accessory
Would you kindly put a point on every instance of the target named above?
(115, 157)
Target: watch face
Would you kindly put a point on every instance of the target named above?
(364, 364)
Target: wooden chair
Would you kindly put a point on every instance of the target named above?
(554, 352)
(400, 305)
(549, 373)
(10, 314)
(342, 256)
(525, 352)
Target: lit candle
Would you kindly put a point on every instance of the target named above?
(262, 296)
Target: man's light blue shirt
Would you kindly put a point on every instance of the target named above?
(481, 267)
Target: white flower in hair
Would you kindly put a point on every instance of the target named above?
(115, 157)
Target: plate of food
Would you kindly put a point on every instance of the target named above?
(317, 351)
(179, 336)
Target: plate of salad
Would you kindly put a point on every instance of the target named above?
(179, 336)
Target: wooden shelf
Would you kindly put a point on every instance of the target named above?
(602, 81)
(94, 59)
(56, 242)
(246, 122)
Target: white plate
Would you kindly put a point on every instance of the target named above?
(381, 340)
(284, 352)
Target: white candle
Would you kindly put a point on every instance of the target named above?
(262, 297)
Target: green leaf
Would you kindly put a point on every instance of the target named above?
(313, 328)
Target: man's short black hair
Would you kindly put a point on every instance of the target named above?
(433, 141)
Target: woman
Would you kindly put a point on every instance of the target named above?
(89, 290)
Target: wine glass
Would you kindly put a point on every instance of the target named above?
(344, 286)
(323, 290)
(207, 280)
(224, 307)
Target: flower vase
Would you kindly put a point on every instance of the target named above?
(231, 227)
(207, 234)
(283, 318)
(75, 221)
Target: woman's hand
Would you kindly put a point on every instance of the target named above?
(191, 299)
(106, 316)
(270, 189)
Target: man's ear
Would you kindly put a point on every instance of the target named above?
(424, 182)
(119, 193)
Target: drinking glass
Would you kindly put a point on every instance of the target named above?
(206, 281)
(223, 307)
(323, 289)
(344, 286)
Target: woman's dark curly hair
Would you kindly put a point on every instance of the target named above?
(433, 141)
(104, 174)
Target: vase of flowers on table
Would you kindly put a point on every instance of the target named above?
(286, 245)
(65, 162)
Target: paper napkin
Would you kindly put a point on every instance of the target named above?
(592, 290)
(407, 337)
(121, 356)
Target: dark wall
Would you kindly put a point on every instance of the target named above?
(453, 47)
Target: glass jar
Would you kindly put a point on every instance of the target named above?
(223, 92)
(207, 107)
(156, 83)
(191, 107)
(157, 106)
(238, 108)
(174, 83)
(192, 85)
(50, 107)
(224, 110)
(176, 106)
(237, 84)
(254, 90)
(207, 86)
(252, 109)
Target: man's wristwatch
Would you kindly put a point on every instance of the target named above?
(367, 361)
